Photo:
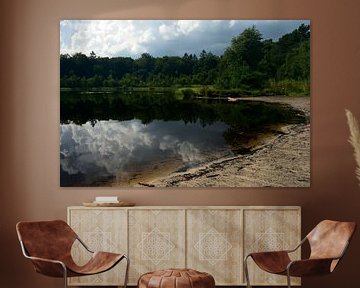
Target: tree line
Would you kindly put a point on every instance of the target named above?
(248, 64)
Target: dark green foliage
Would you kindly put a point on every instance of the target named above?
(297, 65)
(249, 66)
(187, 93)
(80, 107)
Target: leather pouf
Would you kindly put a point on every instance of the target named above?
(176, 278)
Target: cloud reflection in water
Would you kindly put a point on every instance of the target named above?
(117, 149)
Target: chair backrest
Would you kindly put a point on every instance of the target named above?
(46, 239)
(329, 239)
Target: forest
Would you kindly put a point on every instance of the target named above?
(249, 66)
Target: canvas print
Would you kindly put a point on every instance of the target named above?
(185, 103)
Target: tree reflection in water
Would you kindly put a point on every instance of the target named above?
(111, 136)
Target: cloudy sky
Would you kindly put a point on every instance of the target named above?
(161, 37)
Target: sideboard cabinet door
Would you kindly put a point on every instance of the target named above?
(214, 244)
(156, 240)
(101, 230)
(269, 230)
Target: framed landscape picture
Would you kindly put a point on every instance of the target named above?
(185, 103)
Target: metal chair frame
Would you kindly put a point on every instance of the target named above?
(288, 276)
(26, 255)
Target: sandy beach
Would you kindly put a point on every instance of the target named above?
(280, 161)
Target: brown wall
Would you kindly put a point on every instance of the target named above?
(29, 118)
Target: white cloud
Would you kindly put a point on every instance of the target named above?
(105, 37)
(187, 26)
(168, 32)
(161, 37)
(232, 23)
(173, 29)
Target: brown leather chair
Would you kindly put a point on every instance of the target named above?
(328, 242)
(48, 245)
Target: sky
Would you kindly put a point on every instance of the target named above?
(131, 38)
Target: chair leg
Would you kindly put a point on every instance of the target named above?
(288, 278)
(65, 276)
(127, 271)
(246, 270)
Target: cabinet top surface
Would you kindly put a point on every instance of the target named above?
(192, 207)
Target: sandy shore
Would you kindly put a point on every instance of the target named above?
(281, 161)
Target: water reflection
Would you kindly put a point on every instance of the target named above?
(107, 138)
(92, 155)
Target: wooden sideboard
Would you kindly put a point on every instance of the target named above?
(211, 239)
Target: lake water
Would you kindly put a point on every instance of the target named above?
(124, 139)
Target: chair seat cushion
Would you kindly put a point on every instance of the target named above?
(176, 278)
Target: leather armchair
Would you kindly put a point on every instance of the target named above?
(48, 245)
(328, 242)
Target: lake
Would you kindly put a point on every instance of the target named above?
(123, 139)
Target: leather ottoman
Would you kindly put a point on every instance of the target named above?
(176, 278)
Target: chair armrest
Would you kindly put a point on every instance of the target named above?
(45, 260)
(83, 244)
(309, 267)
(298, 246)
(268, 253)
(280, 251)
(49, 267)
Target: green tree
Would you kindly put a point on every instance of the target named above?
(297, 64)
(206, 68)
(247, 48)
(240, 62)
(145, 65)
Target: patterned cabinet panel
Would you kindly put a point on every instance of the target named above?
(101, 230)
(267, 230)
(214, 244)
(156, 240)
